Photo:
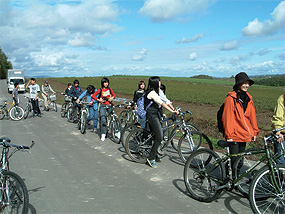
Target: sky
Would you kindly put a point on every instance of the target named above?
(180, 38)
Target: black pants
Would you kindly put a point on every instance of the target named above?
(35, 104)
(235, 148)
(155, 127)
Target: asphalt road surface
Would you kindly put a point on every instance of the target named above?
(67, 172)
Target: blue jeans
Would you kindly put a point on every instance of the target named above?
(103, 117)
(142, 122)
(277, 150)
(93, 114)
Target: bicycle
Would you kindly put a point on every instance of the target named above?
(139, 142)
(67, 103)
(28, 108)
(15, 112)
(51, 103)
(205, 176)
(82, 119)
(128, 116)
(73, 112)
(113, 123)
(13, 191)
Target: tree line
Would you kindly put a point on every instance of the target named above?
(4, 64)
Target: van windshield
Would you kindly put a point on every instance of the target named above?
(20, 81)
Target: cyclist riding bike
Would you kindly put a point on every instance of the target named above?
(46, 89)
(74, 93)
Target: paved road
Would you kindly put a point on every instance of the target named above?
(67, 172)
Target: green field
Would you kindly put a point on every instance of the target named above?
(199, 91)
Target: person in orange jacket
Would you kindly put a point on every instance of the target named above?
(239, 117)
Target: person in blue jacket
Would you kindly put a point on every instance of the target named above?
(74, 93)
(92, 106)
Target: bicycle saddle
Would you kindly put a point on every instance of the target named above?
(224, 144)
(5, 139)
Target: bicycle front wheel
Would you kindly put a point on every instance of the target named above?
(16, 113)
(27, 111)
(83, 122)
(70, 114)
(138, 145)
(14, 193)
(54, 106)
(41, 105)
(123, 117)
(266, 196)
(126, 131)
(63, 110)
(203, 174)
(2, 113)
(115, 127)
(190, 142)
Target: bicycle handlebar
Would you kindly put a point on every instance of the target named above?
(5, 142)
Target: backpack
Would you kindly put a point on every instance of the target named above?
(220, 116)
(141, 111)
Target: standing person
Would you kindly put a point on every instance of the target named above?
(106, 95)
(153, 116)
(74, 93)
(15, 94)
(69, 85)
(34, 95)
(239, 118)
(46, 88)
(278, 121)
(92, 106)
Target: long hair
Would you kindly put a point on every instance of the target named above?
(90, 89)
(140, 83)
(153, 84)
(103, 80)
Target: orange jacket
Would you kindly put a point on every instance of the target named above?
(239, 126)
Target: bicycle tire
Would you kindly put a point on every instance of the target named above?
(174, 142)
(63, 110)
(70, 114)
(123, 117)
(2, 113)
(54, 106)
(83, 123)
(241, 165)
(188, 144)
(14, 193)
(263, 195)
(115, 128)
(16, 113)
(41, 105)
(125, 132)
(27, 111)
(202, 177)
(138, 145)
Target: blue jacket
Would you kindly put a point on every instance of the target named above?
(75, 93)
(88, 95)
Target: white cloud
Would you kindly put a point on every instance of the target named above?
(193, 56)
(141, 56)
(263, 52)
(233, 45)
(164, 10)
(192, 39)
(268, 27)
(80, 40)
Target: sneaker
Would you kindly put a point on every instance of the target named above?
(152, 163)
(158, 158)
(39, 115)
(103, 136)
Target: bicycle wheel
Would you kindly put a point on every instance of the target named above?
(178, 133)
(242, 164)
(54, 106)
(264, 195)
(27, 111)
(16, 113)
(125, 132)
(115, 128)
(203, 174)
(123, 117)
(41, 105)
(2, 113)
(83, 122)
(70, 114)
(191, 142)
(138, 145)
(14, 193)
(63, 110)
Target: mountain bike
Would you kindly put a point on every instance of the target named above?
(205, 176)
(139, 142)
(51, 103)
(15, 112)
(67, 103)
(128, 116)
(83, 115)
(28, 108)
(113, 123)
(14, 196)
(73, 112)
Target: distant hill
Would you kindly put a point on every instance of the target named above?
(202, 77)
(276, 80)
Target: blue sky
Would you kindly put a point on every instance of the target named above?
(152, 37)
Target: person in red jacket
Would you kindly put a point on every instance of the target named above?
(239, 117)
(106, 95)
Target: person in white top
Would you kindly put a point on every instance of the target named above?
(34, 95)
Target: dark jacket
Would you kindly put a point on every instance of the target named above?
(75, 93)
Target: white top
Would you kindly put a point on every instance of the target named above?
(34, 89)
(155, 97)
(163, 97)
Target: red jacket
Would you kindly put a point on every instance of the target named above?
(105, 94)
(239, 126)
